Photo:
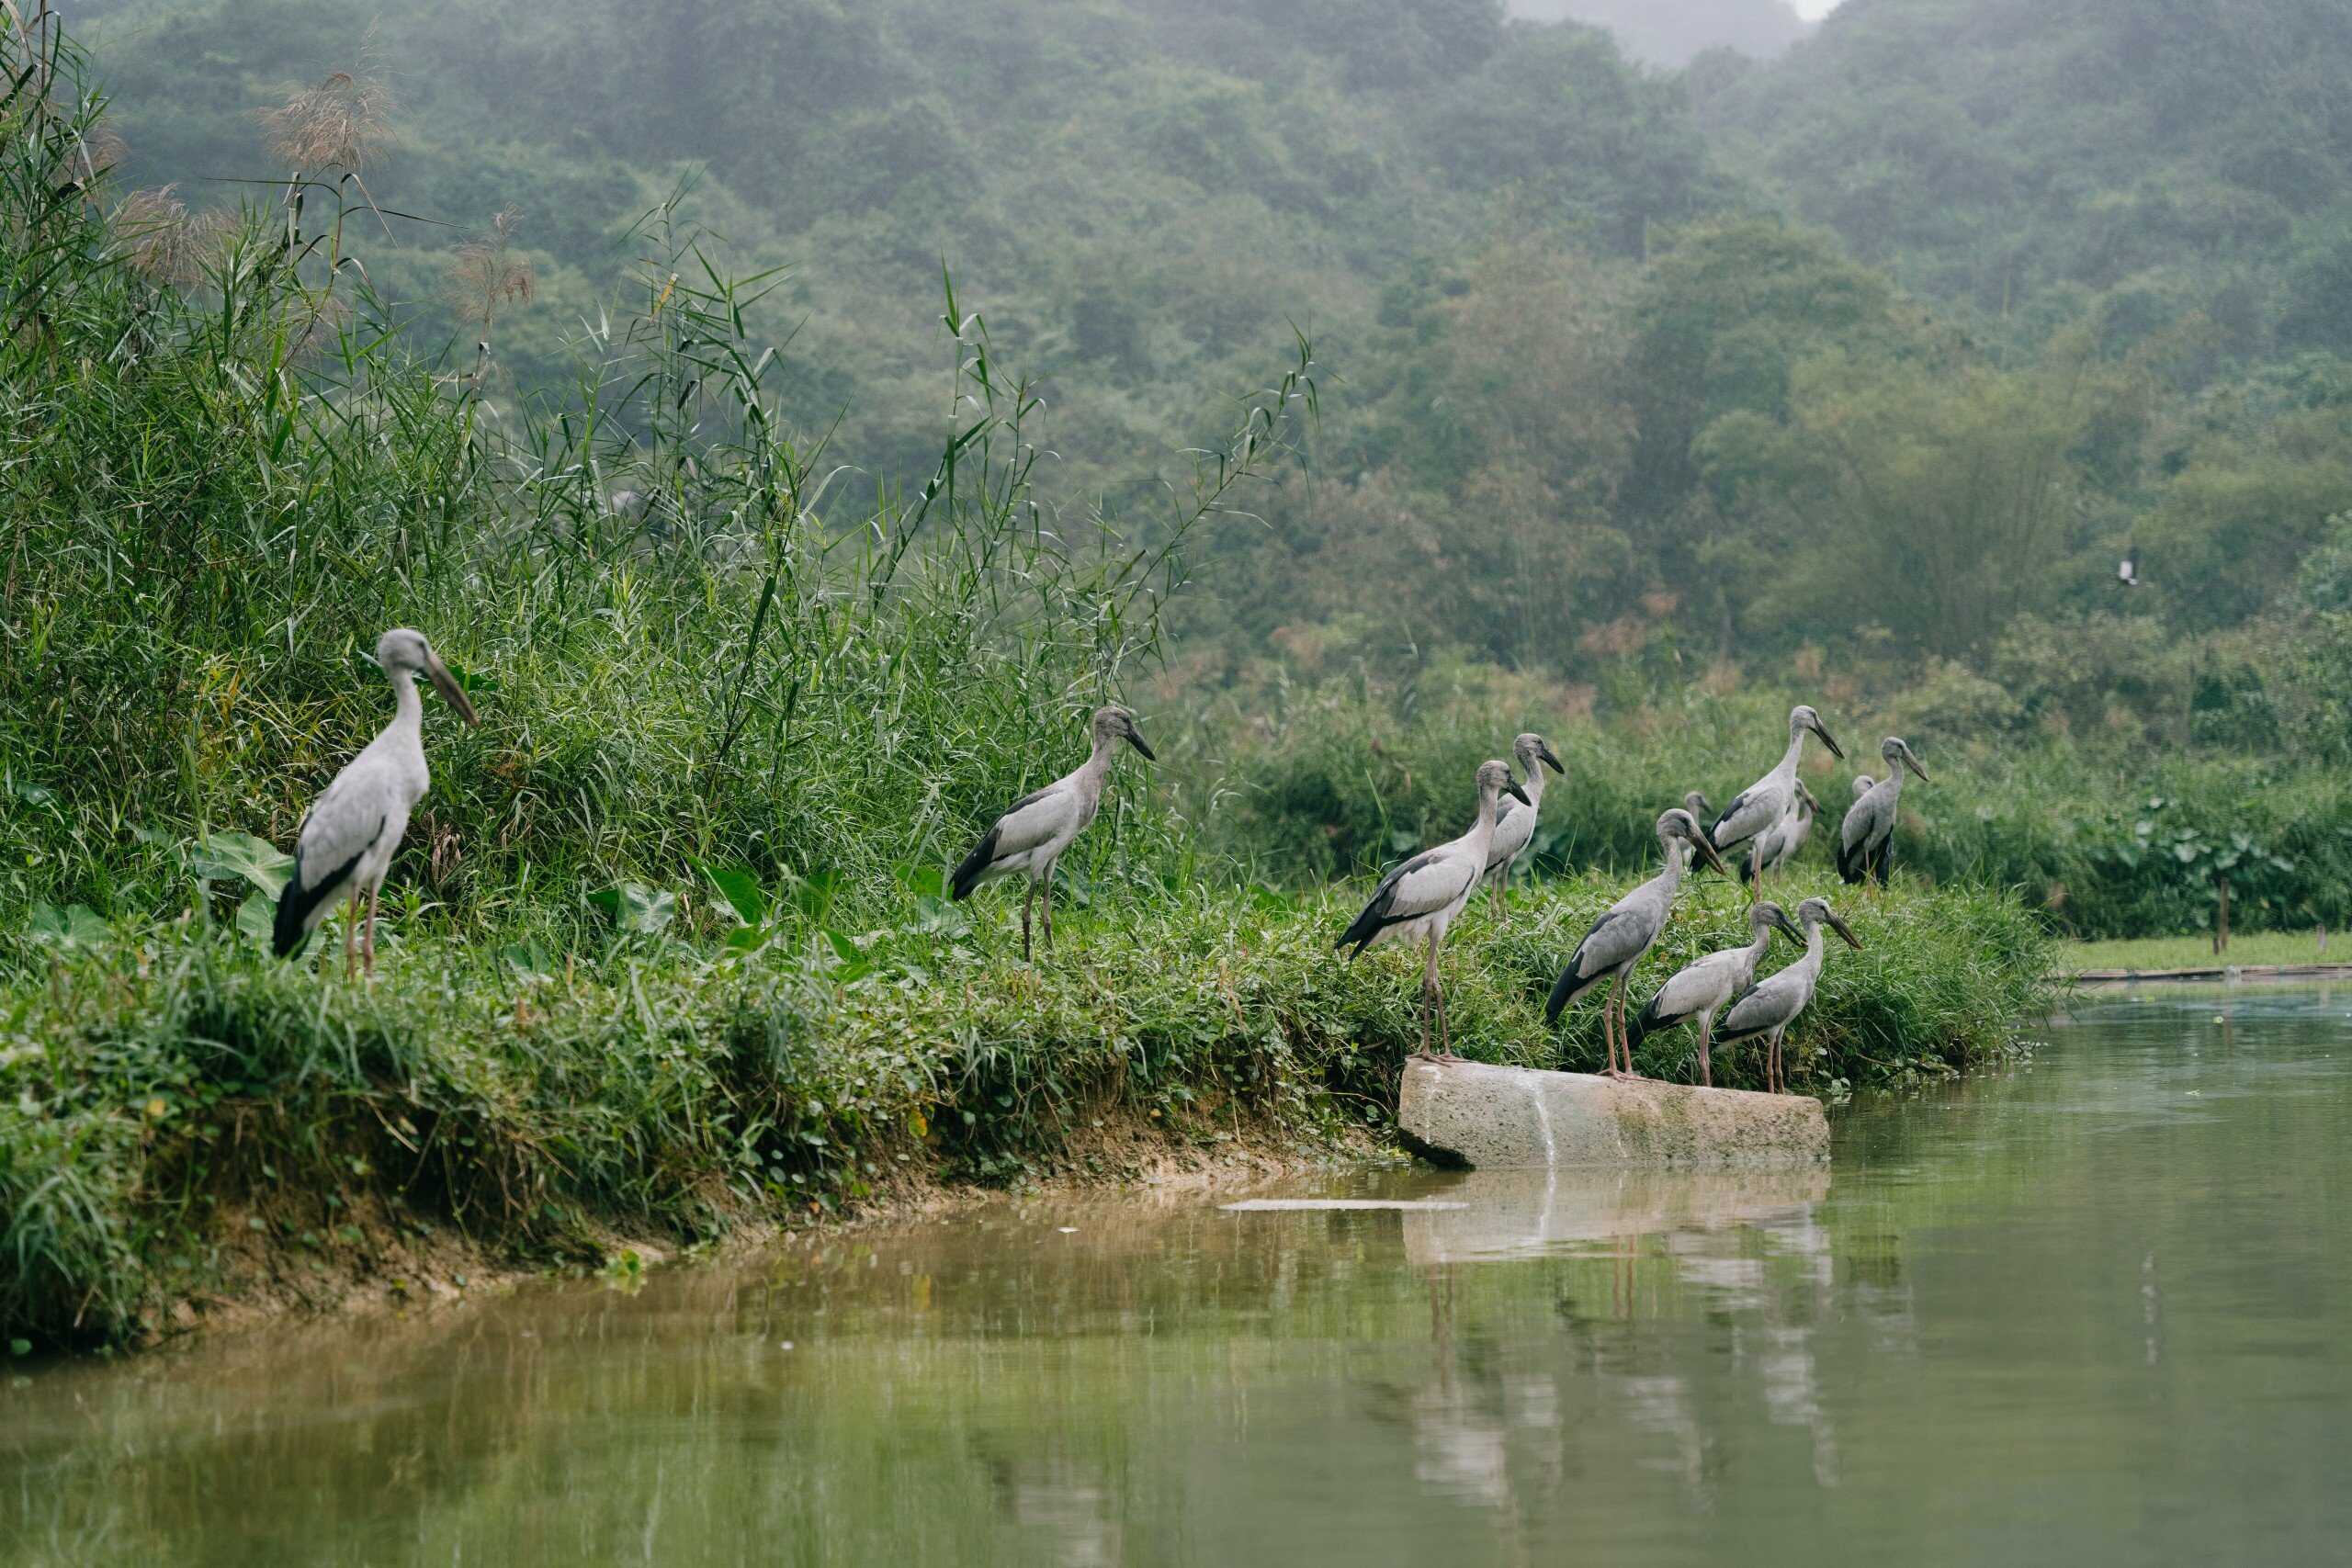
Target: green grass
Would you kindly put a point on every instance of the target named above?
(2196, 951)
(172, 1100)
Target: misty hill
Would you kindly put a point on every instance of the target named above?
(2130, 160)
(1670, 32)
(1141, 195)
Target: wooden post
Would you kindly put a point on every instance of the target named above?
(2221, 920)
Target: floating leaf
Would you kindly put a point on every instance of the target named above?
(223, 857)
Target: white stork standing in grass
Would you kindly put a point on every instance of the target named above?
(1767, 1006)
(1778, 845)
(1617, 939)
(1700, 988)
(1514, 823)
(1421, 898)
(1866, 839)
(347, 842)
(1032, 833)
(1764, 802)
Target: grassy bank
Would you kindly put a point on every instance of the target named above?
(182, 1119)
(2197, 951)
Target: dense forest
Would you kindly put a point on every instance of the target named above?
(1887, 348)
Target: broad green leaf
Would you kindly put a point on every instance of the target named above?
(923, 881)
(637, 909)
(258, 919)
(849, 952)
(742, 890)
(222, 857)
(76, 926)
(527, 960)
(814, 897)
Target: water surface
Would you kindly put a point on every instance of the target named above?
(2093, 1311)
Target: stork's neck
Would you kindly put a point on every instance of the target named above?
(1482, 829)
(408, 706)
(1098, 762)
(1533, 783)
(1677, 854)
(1892, 782)
(1811, 961)
(1759, 947)
(1793, 756)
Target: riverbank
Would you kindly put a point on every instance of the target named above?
(2192, 956)
(187, 1128)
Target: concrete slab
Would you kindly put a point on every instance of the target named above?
(1488, 1117)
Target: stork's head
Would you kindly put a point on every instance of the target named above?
(1806, 804)
(1863, 784)
(1897, 751)
(1115, 723)
(1531, 749)
(1816, 912)
(1494, 779)
(1696, 804)
(1802, 719)
(1765, 917)
(405, 655)
(1679, 824)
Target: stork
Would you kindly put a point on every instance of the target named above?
(1767, 1007)
(1866, 839)
(1863, 784)
(2127, 571)
(1515, 825)
(1617, 939)
(1421, 898)
(1030, 835)
(1696, 804)
(346, 843)
(1778, 845)
(1700, 988)
(1766, 801)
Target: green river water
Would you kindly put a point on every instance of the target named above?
(2096, 1310)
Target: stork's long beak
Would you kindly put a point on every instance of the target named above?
(1706, 848)
(1517, 793)
(1134, 738)
(1553, 762)
(447, 684)
(1839, 927)
(1830, 740)
(1788, 927)
(1913, 763)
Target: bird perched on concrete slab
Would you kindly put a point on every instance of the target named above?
(1514, 823)
(1866, 839)
(1769, 1006)
(1421, 898)
(1766, 801)
(1032, 833)
(1700, 989)
(346, 843)
(1617, 939)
